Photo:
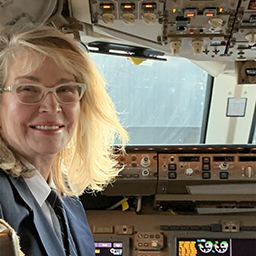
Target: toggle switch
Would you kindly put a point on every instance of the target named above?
(175, 46)
(128, 18)
(108, 18)
(251, 38)
(197, 46)
(149, 18)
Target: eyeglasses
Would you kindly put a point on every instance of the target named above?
(32, 94)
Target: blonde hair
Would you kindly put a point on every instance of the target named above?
(89, 159)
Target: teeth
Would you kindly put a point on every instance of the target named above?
(45, 127)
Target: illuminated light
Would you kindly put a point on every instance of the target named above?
(209, 15)
(220, 9)
(190, 15)
(107, 7)
(191, 31)
(174, 10)
(149, 6)
(127, 6)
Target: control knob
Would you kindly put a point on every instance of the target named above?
(145, 162)
(189, 172)
(248, 172)
(223, 166)
(154, 244)
(251, 38)
(216, 24)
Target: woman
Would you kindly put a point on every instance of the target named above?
(57, 124)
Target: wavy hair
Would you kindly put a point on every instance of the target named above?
(88, 161)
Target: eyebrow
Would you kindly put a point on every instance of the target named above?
(32, 78)
(65, 80)
(35, 79)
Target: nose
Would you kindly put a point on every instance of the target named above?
(50, 104)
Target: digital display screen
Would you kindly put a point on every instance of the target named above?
(189, 158)
(247, 158)
(108, 248)
(214, 247)
(223, 158)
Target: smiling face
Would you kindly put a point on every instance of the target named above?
(42, 129)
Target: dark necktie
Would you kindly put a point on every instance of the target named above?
(57, 205)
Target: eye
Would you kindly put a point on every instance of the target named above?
(67, 89)
(28, 88)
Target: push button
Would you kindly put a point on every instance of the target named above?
(206, 175)
(206, 167)
(172, 175)
(172, 167)
(206, 160)
(223, 175)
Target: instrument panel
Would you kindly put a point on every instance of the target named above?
(200, 30)
(168, 235)
(169, 170)
(207, 167)
(162, 203)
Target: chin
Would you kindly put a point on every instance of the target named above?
(49, 151)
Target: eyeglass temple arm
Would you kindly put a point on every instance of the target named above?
(5, 89)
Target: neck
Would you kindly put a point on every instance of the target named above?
(43, 164)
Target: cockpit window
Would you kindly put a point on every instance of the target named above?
(159, 102)
(254, 137)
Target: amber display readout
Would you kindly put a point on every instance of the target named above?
(187, 248)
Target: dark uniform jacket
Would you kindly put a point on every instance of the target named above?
(19, 208)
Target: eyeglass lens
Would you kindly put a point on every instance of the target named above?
(33, 93)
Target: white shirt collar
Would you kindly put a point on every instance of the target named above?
(36, 183)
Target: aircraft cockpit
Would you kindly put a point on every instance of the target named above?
(182, 75)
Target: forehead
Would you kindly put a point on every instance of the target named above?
(24, 63)
(36, 65)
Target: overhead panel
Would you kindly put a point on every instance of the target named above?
(129, 17)
(200, 30)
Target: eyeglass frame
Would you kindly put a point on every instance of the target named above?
(46, 90)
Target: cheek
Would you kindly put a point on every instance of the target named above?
(10, 105)
(13, 115)
(72, 115)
